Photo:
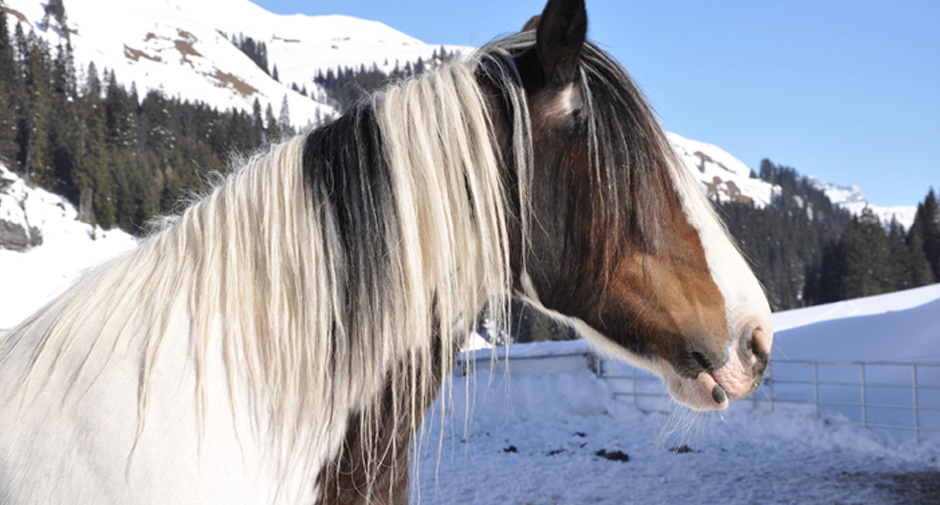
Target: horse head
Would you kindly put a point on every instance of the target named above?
(620, 241)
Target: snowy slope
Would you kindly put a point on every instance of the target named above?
(300, 45)
(29, 280)
(726, 178)
(872, 305)
(176, 46)
(852, 199)
(900, 326)
(159, 45)
(722, 175)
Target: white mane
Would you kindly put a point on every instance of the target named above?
(252, 281)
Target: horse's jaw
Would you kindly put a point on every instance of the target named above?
(746, 357)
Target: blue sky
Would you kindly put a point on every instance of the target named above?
(848, 91)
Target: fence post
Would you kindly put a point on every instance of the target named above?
(864, 402)
(635, 403)
(816, 387)
(771, 385)
(916, 413)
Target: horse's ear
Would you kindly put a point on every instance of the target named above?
(562, 29)
(532, 23)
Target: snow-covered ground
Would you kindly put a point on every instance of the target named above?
(29, 280)
(533, 436)
(534, 439)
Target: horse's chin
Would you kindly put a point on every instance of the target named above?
(700, 393)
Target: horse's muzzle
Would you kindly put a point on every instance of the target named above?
(716, 385)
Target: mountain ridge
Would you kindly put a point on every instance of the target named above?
(183, 49)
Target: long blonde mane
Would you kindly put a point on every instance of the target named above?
(259, 266)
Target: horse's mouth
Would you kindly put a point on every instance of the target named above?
(704, 392)
(712, 390)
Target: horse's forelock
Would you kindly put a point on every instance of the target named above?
(631, 169)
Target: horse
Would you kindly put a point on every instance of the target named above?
(281, 339)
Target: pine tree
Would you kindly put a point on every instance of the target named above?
(11, 92)
(868, 257)
(928, 220)
(96, 202)
(33, 133)
(283, 120)
(901, 258)
(120, 111)
(921, 274)
(273, 131)
(121, 142)
(65, 127)
(832, 272)
(257, 125)
(239, 133)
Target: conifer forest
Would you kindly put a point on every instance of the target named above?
(123, 157)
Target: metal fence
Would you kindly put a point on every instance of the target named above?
(874, 394)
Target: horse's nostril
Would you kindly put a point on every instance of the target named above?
(761, 361)
(746, 344)
(701, 360)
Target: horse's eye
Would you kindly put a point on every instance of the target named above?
(579, 117)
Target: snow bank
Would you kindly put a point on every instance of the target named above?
(547, 438)
(880, 304)
(29, 280)
(904, 335)
(544, 437)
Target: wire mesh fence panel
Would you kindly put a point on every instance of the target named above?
(894, 396)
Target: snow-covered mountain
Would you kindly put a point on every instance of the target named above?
(182, 47)
(852, 199)
(721, 175)
(726, 178)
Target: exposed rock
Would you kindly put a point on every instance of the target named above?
(13, 236)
